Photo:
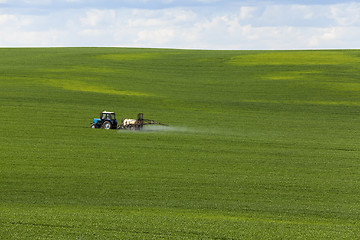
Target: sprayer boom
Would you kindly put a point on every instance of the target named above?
(137, 124)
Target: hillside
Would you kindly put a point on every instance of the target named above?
(261, 144)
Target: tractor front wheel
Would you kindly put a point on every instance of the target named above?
(106, 125)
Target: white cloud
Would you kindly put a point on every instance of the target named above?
(12, 21)
(247, 12)
(346, 14)
(96, 18)
(257, 26)
(7, 18)
(158, 36)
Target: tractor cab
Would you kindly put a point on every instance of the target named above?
(107, 120)
(107, 116)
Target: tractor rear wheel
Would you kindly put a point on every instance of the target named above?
(106, 125)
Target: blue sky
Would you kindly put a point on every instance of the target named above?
(190, 24)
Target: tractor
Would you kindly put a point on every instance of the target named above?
(107, 120)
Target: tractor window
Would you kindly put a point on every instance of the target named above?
(109, 116)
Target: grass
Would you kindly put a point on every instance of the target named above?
(262, 144)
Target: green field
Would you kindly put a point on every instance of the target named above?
(261, 144)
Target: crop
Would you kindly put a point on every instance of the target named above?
(261, 144)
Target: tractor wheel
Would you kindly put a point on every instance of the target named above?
(106, 125)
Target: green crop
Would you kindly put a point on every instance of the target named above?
(260, 144)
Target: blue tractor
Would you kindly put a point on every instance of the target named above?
(107, 120)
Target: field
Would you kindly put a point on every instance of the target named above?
(261, 144)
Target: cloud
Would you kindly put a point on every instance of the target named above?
(98, 18)
(346, 14)
(158, 36)
(181, 24)
(9, 22)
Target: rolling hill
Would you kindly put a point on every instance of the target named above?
(261, 144)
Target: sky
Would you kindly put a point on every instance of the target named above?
(181, 24)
